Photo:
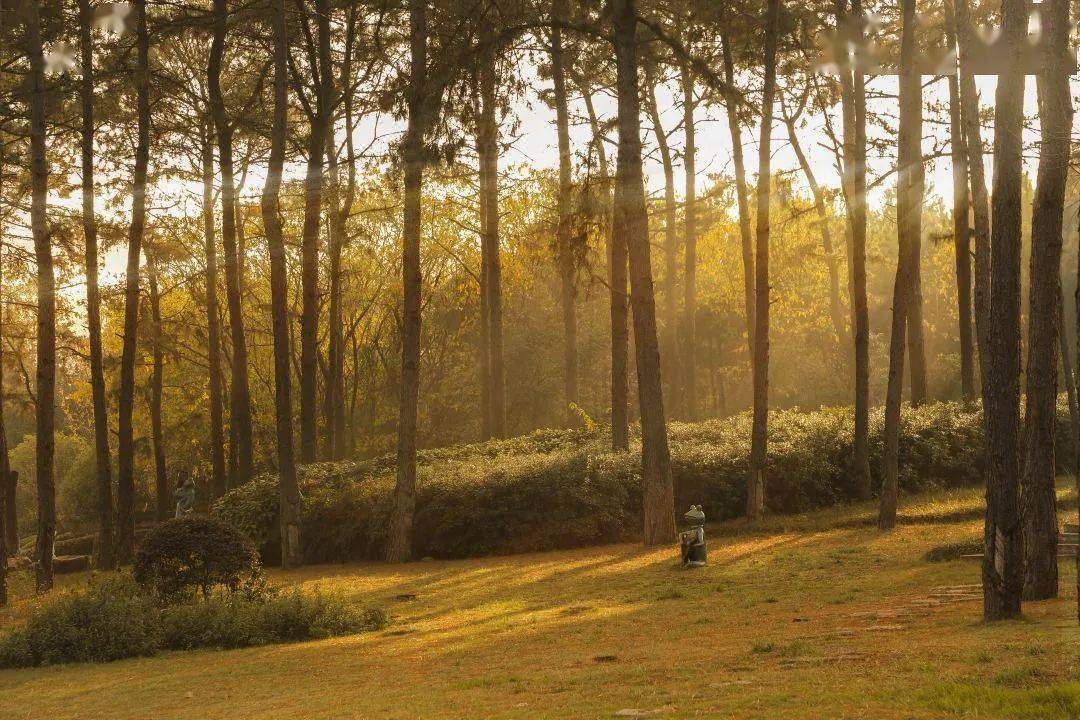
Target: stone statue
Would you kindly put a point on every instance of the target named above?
(692, 541)
(185, 497)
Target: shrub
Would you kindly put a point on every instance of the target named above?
(558, 488)
(117, 619)
(109, 620)
(182, 555)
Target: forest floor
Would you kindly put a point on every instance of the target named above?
(816, 616)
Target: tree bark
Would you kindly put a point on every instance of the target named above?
(632, 223)
(563, 232)
(961, 234)
(689, 374)
(240, 394)
(125, 495)
(669, 355)
(755, 490)
(309, 264)
(490, 251)
(909, 194)
(742, 192)
(980, 206)
(1038, 499)
(1066, 362)
(157, 378)
(853, 104)
(218, 478)
(288, 489)
(617, 292)
(106, 541)
(1002, 561)
(399, 540)
(46, 297)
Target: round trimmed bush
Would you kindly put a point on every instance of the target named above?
(183, 555)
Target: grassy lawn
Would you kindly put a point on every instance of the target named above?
(817, 616)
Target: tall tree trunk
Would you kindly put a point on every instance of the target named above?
(335, 360)
(399, 540)
(980, 206)
(853, 103)
(617, 279)
(564, 232)
(961, 236)
(313, 192)
(288, 490)
(490, 252)
(213, 323)
(742, 192)
(484, 364)
(1002, 561)
(125, 495)
(916, 323)
(669, 355)
(1037, 496)
(908, 226)
(632, 223)
(46, 297)
(689, 379)
(755, 491)
(853, 179)
(157, 381)
(240, 399)
(832, 261)
(106, 542)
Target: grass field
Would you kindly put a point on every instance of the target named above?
(817, 616)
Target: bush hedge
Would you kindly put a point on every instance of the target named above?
(115, 618)
(560, 489)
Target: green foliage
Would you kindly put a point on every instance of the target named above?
(182, 555)
(558, 489)
(109, 620)
(116, 618)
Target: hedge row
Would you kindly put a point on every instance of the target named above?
(560, 489)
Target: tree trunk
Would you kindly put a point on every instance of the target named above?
(909, 194)
(333, 407)
(742, 192)
(157, 436)
(980, 207)
(961, 238)
(853, 102)
(46, 297)
(836, 314)
(632, 223)
(490, 251)
(240, 399)
(915, 324)
(689, 378)
(1037, 496)
(125, 495)
(213, 323)
(309, 264)
(669, 355)
(617, 279)
(106, 541)
(399, 540)
(288, 490)
(1002, 561)
(564, 232)
(755, 490)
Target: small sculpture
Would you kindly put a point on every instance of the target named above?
(692, 541)
(185, 497)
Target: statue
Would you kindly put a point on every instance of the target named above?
(692, 541)
(185, 497)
